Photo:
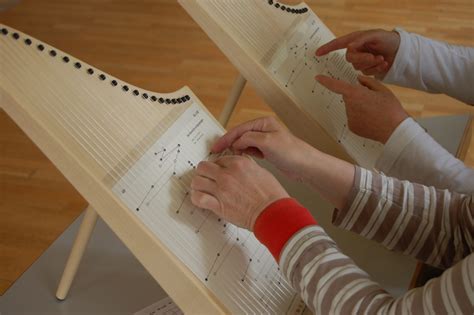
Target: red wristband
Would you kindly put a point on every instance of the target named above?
(279, 222)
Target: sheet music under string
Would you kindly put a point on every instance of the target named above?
(146, 149)
(227, 259)
(284, 40)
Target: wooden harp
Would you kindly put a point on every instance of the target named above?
(131, 154)
(273, 46)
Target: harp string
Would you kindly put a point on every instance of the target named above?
(103, 146)
(247, 19)
(77, 124)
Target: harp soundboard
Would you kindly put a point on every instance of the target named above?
(273, 46)
(131, 153)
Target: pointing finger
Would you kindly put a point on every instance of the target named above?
(337, 43)
(336, 86)
(372, 84)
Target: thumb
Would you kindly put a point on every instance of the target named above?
(372, 84)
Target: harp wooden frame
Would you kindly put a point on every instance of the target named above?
(283, 104)
(175, 278)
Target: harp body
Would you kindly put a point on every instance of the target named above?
(273, 46)
(108, 138)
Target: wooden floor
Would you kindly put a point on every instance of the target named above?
(156, 45)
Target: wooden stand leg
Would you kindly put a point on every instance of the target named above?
(232, 100)
(80, 243)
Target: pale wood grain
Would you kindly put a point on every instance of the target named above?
(156, 45)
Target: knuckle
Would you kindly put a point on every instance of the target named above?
(266, 139)
(240, 163)
(271, 119)
(195, 198)
(201, 167)
(193, 183)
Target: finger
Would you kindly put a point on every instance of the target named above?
(205, 201)
(372, 84)
(337, 43)
(362, 41)
(253, 152)
(204, 184)
(208, 169)
(228, 160)
(251, 139)
(336, 86)
(259, 124)
(376, 70)
(362, 61)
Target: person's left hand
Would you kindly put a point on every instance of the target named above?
(235, 188)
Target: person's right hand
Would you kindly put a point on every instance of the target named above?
(267, 138)
(372, 110)
(372, 52)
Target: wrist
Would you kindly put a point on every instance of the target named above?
(280, 195)
(331, 177)
(392, 126)
(279, 222)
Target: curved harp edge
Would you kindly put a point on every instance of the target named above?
(179, 96)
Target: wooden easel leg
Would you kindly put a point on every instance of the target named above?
(232, 100)
(80, 243)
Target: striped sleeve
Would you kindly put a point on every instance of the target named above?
(330, 283)
(435, 226)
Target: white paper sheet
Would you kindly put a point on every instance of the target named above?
(228, 260)
(295, 65)
(165, 306)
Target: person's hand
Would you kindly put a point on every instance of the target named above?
(235, 188)
(373, 111)
(267, 138)
(371, 52)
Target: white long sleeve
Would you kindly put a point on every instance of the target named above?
(433, 66)
(411, 153)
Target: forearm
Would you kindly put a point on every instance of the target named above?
(330, 282)
(387, 210)
(331, 177)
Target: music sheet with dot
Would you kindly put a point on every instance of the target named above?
(295, 65)
(228, 260)
(164, 306)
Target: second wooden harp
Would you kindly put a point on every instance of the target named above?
(273, 46)
(131, 153)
